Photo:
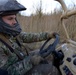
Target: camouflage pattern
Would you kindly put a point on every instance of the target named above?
(34, 37)
(10, 62)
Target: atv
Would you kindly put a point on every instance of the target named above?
(64, 55)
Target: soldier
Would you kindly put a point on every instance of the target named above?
(12, 58)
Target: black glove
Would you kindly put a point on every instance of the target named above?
(52, 35)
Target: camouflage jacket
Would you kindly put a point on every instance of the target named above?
(7, 58)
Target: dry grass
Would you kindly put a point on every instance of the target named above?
(50, 23)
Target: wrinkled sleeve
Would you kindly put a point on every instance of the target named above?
(33, 37)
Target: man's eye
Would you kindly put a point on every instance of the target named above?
(10, 18)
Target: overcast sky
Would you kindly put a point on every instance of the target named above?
(47, 5)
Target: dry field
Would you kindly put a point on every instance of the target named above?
(50, 23)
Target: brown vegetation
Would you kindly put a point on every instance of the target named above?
(51, 23)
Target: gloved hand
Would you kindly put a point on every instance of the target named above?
(51, 35)
(36, 59)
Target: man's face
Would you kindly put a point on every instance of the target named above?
(10, 19)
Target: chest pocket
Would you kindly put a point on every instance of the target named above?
(12, 47)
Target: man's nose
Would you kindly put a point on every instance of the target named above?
(14, 22)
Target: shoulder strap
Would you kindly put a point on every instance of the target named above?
(4, 40)
(26, 48)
